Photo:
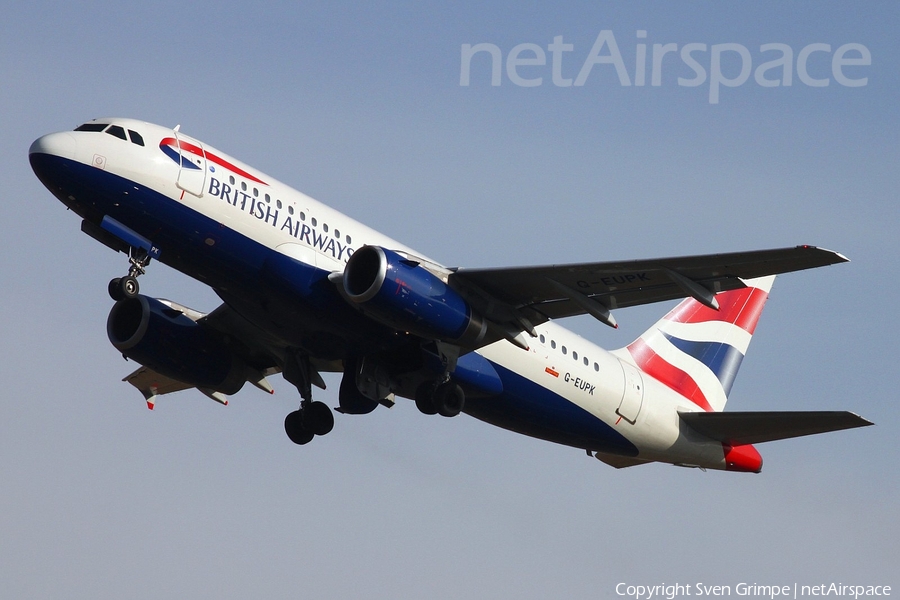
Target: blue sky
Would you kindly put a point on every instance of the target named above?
(362, 108)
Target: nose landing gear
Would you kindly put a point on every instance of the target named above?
(121, 288)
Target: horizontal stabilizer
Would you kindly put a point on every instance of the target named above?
(738, 428)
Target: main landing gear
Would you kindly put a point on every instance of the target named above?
(121, 288)
(443, 398)
(312, 418)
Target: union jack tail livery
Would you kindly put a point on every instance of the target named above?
(696, 350)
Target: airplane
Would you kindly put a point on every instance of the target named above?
(307, 290)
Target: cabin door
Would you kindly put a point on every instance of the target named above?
(192, 169)
(633, 396)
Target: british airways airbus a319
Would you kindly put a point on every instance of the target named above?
(306, 290)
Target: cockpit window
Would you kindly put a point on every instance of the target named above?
(92, 127)
(117, 131)
(114, 130)
(136, 138)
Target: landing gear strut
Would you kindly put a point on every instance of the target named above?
(121, 288)
(312, 418)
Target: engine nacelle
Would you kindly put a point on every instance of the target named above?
(399, 292)
(165, 340)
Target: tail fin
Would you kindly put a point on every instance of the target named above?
(696, 350)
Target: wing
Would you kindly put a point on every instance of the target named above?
(537, 294)
(256, 351)
(152, 384)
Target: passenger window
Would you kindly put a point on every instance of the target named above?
(574, 355)
(313, 221)
(596, 367)
(290, 210)
(136, 138)
(586, 361)
(543, 339)
(553, 344)
(117, 131)
(325, 227)
(348, 240)
(337, 234)
(564, 350)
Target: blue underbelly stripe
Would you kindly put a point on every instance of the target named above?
(531, 409)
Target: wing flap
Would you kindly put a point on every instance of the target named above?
(738, 428)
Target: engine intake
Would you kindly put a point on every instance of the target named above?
(399, 292)
(165, 340)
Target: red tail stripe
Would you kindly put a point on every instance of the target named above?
(660, 369)
(741, 307)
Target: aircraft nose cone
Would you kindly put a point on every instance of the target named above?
(56, 144)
